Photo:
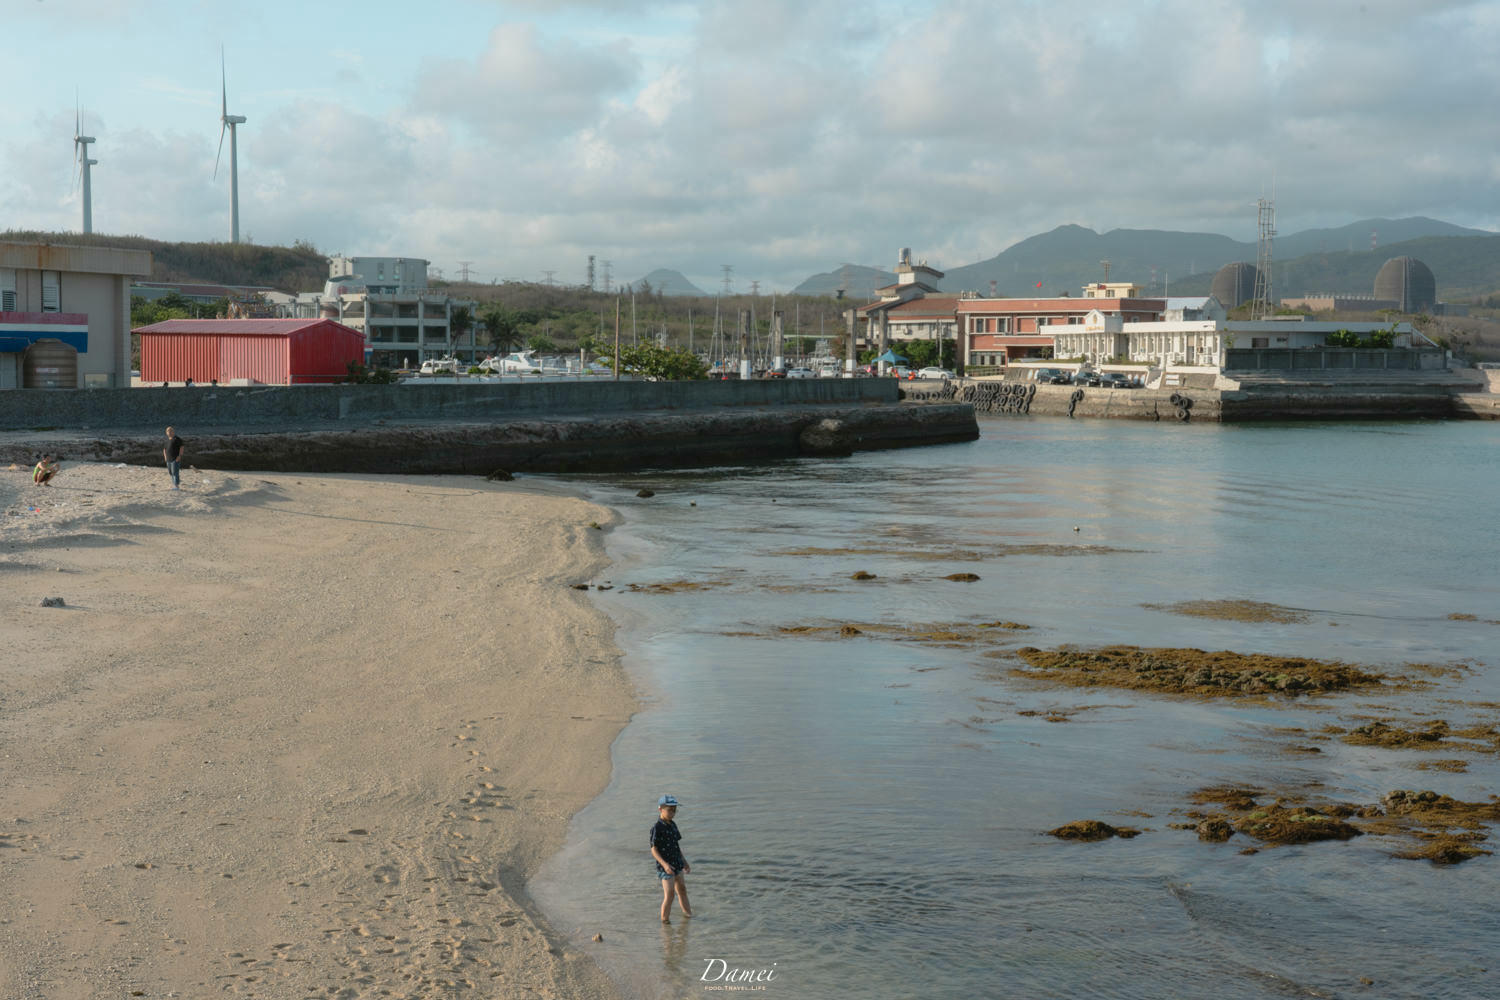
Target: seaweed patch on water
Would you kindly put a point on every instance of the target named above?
(1092, 830)
(1441, 829)
(942, 633)
(1060, 714)
(1194, 672)
(674, 586)
(1235, 611)
(1435, 735)
(1446, 764)
(958, 555)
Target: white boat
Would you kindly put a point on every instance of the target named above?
(516, 361)
(440, 366)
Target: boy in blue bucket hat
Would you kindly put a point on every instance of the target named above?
(670, 864)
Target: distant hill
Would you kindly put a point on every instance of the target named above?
(1063, 260)
(286, 269)
(669, 282)
(858, 280)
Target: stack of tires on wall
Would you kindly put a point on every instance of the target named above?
(1184, 406)
(49, 364)
(999, 397)
(944, 395)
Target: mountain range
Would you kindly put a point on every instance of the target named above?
(1465, 261)
(666, 281)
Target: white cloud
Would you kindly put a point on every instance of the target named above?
(787, 136)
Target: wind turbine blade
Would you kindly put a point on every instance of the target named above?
(223, 91)
(221, 151)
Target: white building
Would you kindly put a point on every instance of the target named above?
(1106, 338)
(77, 299)
(387, 299)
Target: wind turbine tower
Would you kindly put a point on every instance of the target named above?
(228, 122)
(81, 153)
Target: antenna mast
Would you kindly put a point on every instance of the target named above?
(1264, 306)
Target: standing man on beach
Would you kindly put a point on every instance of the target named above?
(173, 454)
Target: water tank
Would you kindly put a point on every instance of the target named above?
(1407, 282)
(49, 364)
(1234, 285)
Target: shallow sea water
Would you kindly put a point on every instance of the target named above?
(866, 817)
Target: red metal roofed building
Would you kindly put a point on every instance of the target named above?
(270, 351)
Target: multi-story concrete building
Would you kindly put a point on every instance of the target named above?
(387, 299)
(75, 301)
(1106, 337)
(998, 331)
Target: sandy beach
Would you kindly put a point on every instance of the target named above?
(294, 735)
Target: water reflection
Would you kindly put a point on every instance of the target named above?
(868, 814)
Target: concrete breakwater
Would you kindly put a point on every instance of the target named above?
(573, 443)
(1226, 406)
(478, 428)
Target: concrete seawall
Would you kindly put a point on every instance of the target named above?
(578, 443)
(1240, 406)
(300, 406)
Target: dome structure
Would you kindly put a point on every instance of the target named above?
(1234, 285)
(1409, 283)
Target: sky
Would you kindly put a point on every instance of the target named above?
(780, 137)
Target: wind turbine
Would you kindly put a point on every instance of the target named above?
(81, 155)
(228, 122)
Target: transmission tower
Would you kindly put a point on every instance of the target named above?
(607, 265)
(549, 275)
(728, 276)
(591, 272)
(463, 269)
(1105, 264)
(754, 288)
(1264, 307)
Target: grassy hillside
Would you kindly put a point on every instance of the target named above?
(298, 268)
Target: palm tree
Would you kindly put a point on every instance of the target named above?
(460, 321)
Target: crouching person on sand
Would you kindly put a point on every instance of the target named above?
(44, 471)
(671, 866)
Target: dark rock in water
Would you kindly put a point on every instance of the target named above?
(644, 494)
(862, 575)
(499, 476)
(53, 602)
(827, 437)
(850, 630)
(1215, 831)
(1090, 830)
(962, 577)
(580, 586)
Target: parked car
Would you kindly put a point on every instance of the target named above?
(1053, 376)
(935, 372)
(1117, 380)
(1087, 378)
(800, 373)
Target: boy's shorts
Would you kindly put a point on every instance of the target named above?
(665, 877)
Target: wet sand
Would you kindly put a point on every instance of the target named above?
(294, 734)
